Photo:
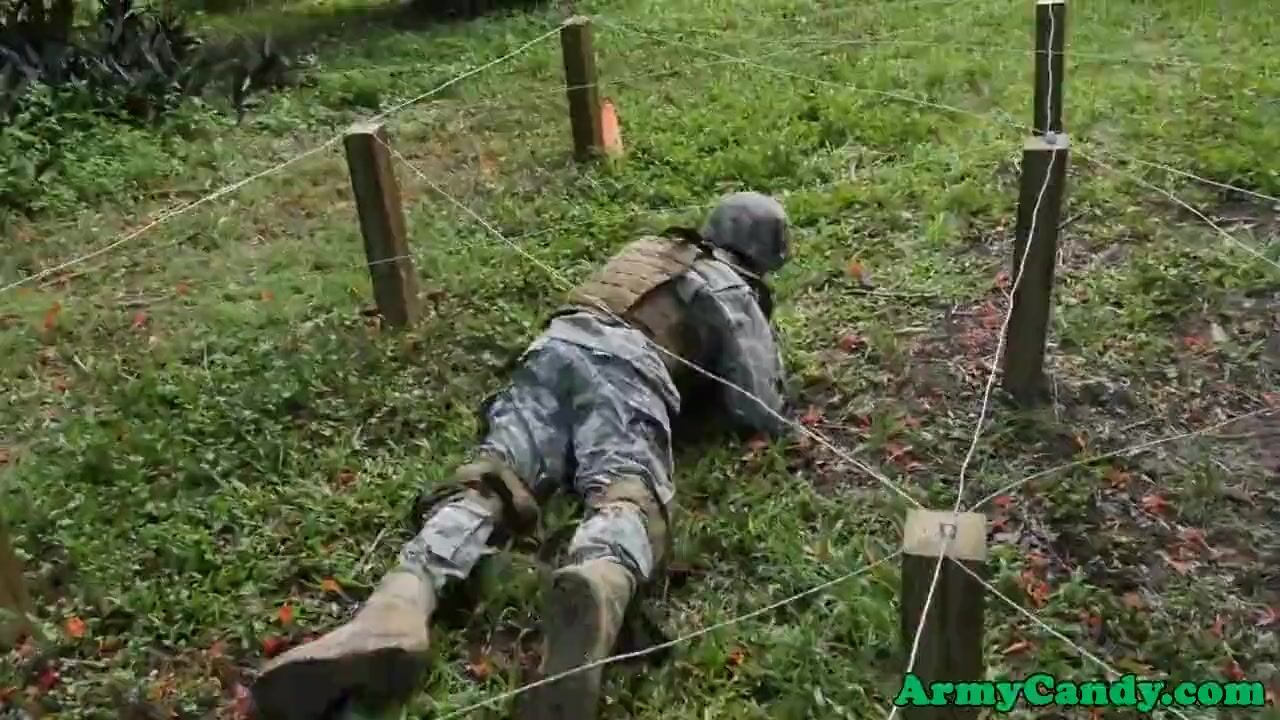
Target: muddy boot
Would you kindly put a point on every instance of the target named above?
(378, 657)
(583, 616)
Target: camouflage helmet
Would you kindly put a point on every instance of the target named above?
(753, 226)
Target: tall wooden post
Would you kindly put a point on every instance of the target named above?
(14, 603)
(1045, 158)
(582, 87)
(1051, 33)
(951, 636)
(373, 180)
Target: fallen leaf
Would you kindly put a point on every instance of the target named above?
(998, 523)
(1003, 501)
(737, 656)
(4, 456)
(1219, 624)
(1018, 647)
(285, 614)
(1081, 441)
(273, 646)
(1133, 601)
(75, 627)
(241, 702)
(1193, 536)
(345, 477)
(1268, 617)
(47, 679)
(330, 585)
(182, 288)
(139, 320)
(7, 693)
(893, 451)
(610, 132)
(1154, 504)
(267, 296)
(1195, 343)
(480, 670)
(1182, 568)
(1117, 478)
(858, 273)
(51, 316)
(1002, 280)
(1232, 670)
(811, 417)
(851, 342)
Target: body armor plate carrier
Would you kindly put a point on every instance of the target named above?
(635, 285)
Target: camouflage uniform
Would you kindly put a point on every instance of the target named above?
(590, 403)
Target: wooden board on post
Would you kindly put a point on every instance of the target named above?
(1051, 33)
(373, 180)
(582, 87)
(951, 637)
(1044, 178)
(14, 602)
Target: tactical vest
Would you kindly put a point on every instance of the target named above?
(635, 285)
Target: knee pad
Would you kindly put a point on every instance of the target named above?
(635, 492)
(489, 482)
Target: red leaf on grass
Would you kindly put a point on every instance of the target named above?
(1195, 343)
(47, 680)
(273, 646)
(1193, 536)
(1268, 617)
(737, 657)
(330, 585)
(1133, 601)
(182, 288)
(1018, 647)
(480, 670)
(811, 417)
(857, 271)
(285, 614)
(139, 320)
(268, 296)
(75, 627)
(345, 477)
(1219, 624)
(894, 451)
(851, 342)
(1003, 501)
(1002, 280)
(1154, 504)
(1232, 670)
(51, 316)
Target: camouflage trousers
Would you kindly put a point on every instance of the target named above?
(572, 418)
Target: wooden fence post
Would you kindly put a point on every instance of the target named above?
(14, 602)
(951, 637)
(582, 87)
(373, 180)
(1045, 158)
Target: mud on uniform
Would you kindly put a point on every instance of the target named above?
(589, 406)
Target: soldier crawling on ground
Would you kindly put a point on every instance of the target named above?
(588, 408)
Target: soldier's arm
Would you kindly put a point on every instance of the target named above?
(746, 354)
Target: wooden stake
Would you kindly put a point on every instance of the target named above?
(951, 638)
(1043, 157)
(14, 602)
(373, 180)
(582, 88)
(1051, 33)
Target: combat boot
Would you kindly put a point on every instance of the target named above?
(378, 657)
(584, 613)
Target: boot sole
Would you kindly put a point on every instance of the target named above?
(321, 687)
(573, 629)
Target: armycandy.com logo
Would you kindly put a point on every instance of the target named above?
(1042, 689)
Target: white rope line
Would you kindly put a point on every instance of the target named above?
(554, 274)
(670, 643)
(1124, 452)
(228, 189)
(1190, 208)
(752, 62)
(1047, 628)
(1193, 176)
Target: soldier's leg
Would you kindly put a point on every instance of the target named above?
(622, 444)
(380, 655)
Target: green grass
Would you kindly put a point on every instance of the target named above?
(209, 427)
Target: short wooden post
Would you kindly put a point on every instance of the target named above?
(951, 637)
(1045, 158)
(14, 602)
(373, 180)
(582, 87)
(1051, 33)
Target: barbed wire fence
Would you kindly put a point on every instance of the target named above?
(943, 551)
